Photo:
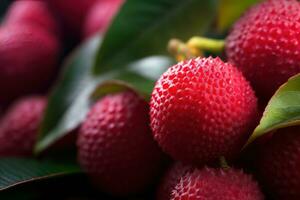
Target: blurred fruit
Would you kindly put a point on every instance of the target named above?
(170, 180)
(265, 44)
(99, 17)
(19, 126)
(28, 57)
(31, 12)
(202, 109)
(217, 184)
(72, 14)
(279, 163)
(115, 145)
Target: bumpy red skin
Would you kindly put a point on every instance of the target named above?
(31, 12)
(99, 17)
(28, 57)
(202, 109)
(19, 126)
(170, 180)
(217, 184)
(265, 45)
(279, 163)
(72, 13)
(115, 145)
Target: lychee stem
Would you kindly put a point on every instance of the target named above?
(181, 51)
(206, 44)
(194, 47)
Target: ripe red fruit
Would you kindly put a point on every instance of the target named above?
(72, 13)
(115, 145)
(99, 17)
(28, 57)
(202, 109)
(31, 12)
(279, 162)
(216, 184)
(265, 44)
(170, 180)
(19, 126)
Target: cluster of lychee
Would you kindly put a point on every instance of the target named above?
(31, 41)
(202, 111)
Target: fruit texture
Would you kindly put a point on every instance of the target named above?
(115, 146)
(217, 184)
(170, 180)
(28, 57)
(31, 12)
(19, 126)
(72, 13)
(202, 109)
(279, 162)
(99, 17)
(265, 44)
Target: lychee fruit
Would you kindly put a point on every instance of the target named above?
(72, 13)
(202, 109)
(279, 164)
(100, 16)
(31, 12)
(170, 180)
(19, 126)
(216, 184)
(115, 145)
(28, 57)
(265, 45)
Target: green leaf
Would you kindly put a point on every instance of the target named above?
(17, 171)
(231, 10)
(66, 102)
(283, 110)
(140, 76)
(3, 7)
(71, 99)
(143, 28)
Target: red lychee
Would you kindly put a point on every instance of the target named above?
(31, 12)
(28, 57)
(72, 13)
(202, 109)
(265, 44)
(99, 17)
(217, 184)
(19, 126)
(115, 145)
(170, 180)
(279, 164)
